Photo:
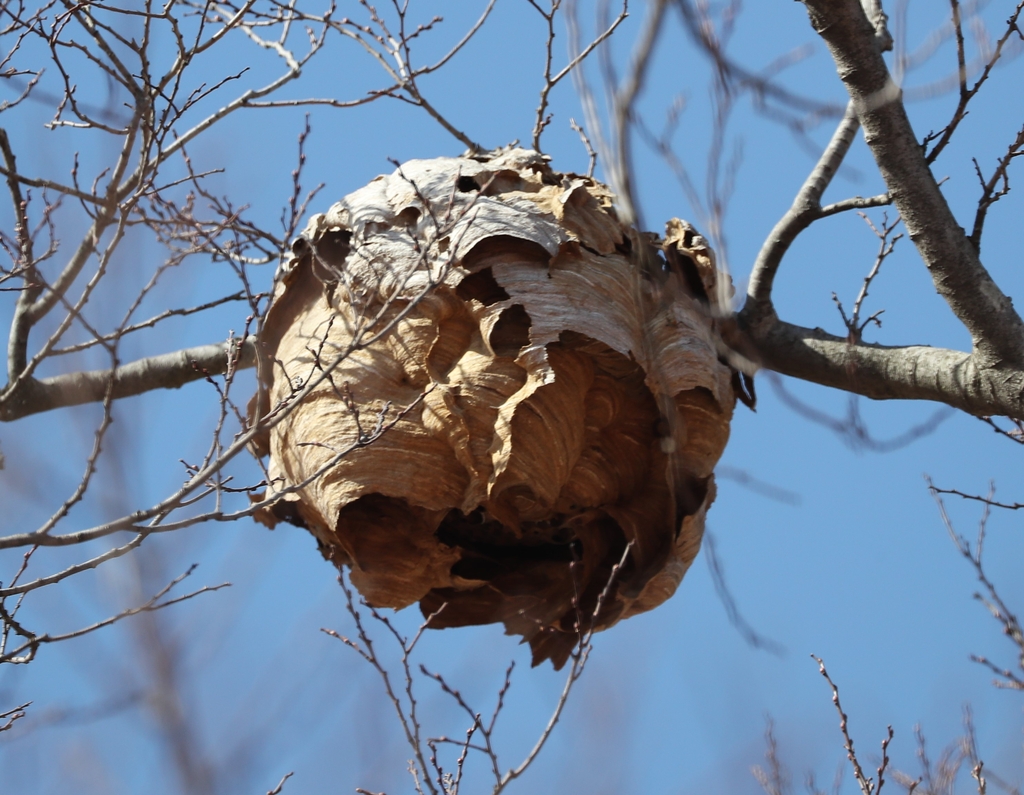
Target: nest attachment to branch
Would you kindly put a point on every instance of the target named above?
(480, 387)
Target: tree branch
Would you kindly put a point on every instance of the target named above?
(620, 167)
(17, 344)
(960, 278)
(991, 190)
(165, 371)
(914, 372)
(806, 209)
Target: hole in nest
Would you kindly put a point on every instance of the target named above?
(691, 274)
(408, 217)
(512, 331)
(331, 249)
(483, 287)
(504, 248)
(466, 185)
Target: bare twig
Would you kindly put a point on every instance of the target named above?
(867, 784)
(993, 602)
(280, 784)
(939, 777)
(775, 780)
(405, 703)
(739, 623)
(591, 154)
(886, 243)
(852, 429)
(26, 652)
(758, 486)
(943, 137)
(551, 80)
(8, 718)
(995, 187)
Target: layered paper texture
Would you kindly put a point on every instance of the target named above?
(481, 387)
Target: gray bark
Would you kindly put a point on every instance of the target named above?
(988, 380)
(166, 371)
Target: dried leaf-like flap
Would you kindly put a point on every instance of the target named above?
(480, 387)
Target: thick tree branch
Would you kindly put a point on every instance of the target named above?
(915, 372)
(960, 278)
(18, 339)
(166, 371)
(806, 209)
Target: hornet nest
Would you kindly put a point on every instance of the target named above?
(482, 390)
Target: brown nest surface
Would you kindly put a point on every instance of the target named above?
(481, 387)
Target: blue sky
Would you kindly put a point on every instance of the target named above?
(860, 571)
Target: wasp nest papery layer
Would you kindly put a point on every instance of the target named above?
(497, 387)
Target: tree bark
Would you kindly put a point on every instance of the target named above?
(988, 380)
(166, 371)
